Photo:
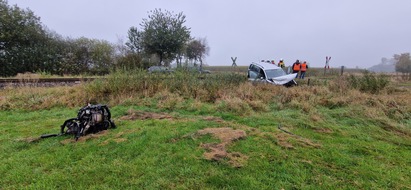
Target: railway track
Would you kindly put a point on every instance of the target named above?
(42, 82)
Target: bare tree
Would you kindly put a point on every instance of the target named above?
(134, 40)
(197, 49)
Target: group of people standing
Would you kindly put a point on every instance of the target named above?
(280, 63)
(300, 68)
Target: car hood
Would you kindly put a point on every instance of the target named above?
(284, 79)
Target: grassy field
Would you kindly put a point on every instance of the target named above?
(218, 133)
(215, 69)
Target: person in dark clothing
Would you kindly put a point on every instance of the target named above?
(296, 67)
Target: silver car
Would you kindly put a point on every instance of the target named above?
(270, 73)
(159, 69)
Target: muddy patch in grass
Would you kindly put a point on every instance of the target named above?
(397, 130)
(285, 139)
(84, 138)
(212, 118)
(218, 151)
(231, 124)
(140, 115)
(288, 141)
(324, 130)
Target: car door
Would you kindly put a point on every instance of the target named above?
(253, 72)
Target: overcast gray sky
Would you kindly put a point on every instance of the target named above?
(353, 32)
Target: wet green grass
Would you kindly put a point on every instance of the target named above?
(352, 152)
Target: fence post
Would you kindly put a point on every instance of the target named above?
(342, 70)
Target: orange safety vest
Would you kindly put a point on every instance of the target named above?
(296, 67)
(304, 67)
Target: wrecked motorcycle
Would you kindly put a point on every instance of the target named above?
(90, 119)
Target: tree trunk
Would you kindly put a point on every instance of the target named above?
(178, 60)
(161, 59)
(201, 64)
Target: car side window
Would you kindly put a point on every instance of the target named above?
(258, 72)
(253, 68)
(253, 72)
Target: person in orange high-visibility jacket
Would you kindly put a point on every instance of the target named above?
(304, 68)
(296, 67)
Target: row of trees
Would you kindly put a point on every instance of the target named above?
(26, 45)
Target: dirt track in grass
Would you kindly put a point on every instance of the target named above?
(218, 151)
(140, 115)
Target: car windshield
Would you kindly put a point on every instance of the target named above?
(272, 73)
